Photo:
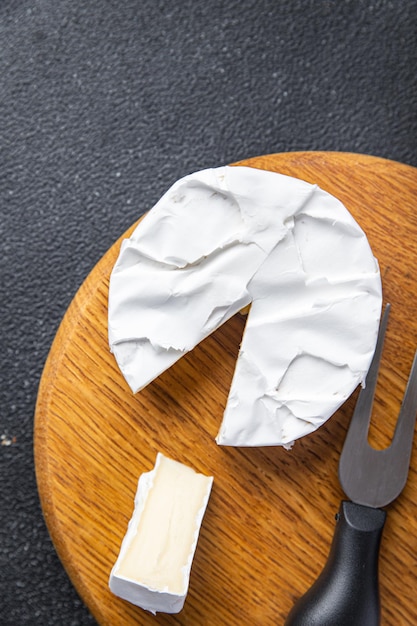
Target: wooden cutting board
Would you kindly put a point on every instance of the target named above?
(270, 519)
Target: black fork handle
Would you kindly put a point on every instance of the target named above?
(346, 593)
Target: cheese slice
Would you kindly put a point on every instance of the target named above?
(221, 239)
(153, 567)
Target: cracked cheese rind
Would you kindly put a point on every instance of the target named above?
(153, 567)
(221, 239)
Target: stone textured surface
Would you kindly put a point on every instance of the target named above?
(103, 106)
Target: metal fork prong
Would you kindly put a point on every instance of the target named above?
(402, 441)
(359, 425)
(358, 471)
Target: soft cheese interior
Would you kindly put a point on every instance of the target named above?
(153, 567)
(222, 238)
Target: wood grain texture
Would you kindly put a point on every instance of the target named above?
(270, 518)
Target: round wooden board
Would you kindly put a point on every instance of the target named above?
(270, 519)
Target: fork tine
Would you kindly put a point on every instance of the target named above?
(361, 417)
(402, 441)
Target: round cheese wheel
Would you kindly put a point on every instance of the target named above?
(226, 237)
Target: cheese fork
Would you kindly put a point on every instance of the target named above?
(346, 593)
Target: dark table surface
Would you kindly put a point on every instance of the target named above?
(104, 104)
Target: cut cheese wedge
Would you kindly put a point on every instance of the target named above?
(221, 239)
(155, 559)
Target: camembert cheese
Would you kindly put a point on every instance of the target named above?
(221, 239)
(153, 567)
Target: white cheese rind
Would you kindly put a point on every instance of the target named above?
(222, 238)
(154, 563)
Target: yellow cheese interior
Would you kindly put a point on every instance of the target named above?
(167, 528)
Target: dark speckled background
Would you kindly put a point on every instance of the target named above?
(103, 105)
